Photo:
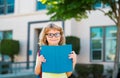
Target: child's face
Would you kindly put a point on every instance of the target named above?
(53, 37)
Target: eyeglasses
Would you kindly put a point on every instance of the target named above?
(50, 35)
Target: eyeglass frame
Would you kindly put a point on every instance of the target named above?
(51, 35)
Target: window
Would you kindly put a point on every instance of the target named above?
(40, 6)
(110, 43)
(103, 43)
(100, 5)
(96, 43)
(5, 35)
(6, 6)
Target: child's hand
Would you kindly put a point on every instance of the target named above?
(73, 56)
(40, 59)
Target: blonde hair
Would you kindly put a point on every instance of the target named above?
(43, 39)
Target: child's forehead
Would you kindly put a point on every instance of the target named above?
(53, 30)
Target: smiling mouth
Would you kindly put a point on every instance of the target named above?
(54, 40)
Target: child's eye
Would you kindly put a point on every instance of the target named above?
(57, 34)
(50, 34)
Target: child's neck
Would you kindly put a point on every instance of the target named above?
(53, 44)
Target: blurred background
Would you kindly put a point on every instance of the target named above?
(21, 22)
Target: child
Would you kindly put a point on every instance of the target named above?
(52, 35)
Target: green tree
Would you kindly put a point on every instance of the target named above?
(9, 47)
(78, 9)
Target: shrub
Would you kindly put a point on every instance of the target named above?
(97, 70)
(75, 41)
(83, 70)
(9, 47)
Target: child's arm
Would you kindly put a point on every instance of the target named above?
(38, 65)
(69, 74)
(37, 69)
(72, 56)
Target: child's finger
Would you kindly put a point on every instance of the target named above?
(70, 56)
(44, 60)
(73, 52)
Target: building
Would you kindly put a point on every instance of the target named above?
(23, 20)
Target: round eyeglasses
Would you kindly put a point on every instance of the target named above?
(50, 35)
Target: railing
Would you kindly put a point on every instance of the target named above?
(16, 67)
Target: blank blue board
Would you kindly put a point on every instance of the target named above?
(57, 60)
